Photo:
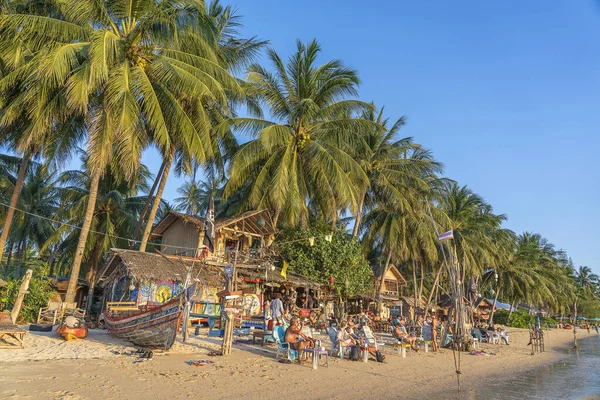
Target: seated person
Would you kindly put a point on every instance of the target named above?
(402, 335)
(364, 319)
(344, 337)
(503, 335)
(293, 334)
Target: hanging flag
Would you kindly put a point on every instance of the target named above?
(446, 236)
(209, 226)
(284, 269)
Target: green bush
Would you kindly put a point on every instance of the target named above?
(40, 292)
(501, 317)
(521, 319)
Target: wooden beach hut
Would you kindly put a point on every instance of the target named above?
(183, 235)
(152, 279)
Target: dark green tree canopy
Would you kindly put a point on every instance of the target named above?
(341, 258)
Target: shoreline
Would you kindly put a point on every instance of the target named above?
(252, 372)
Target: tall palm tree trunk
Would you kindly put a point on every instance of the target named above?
(421, 279)
(19, 259)
(359, 215)
(414, 316)
(138, 226)
(83, 235)
(10, 253)
(435, 282)
(512, 307)
(276, 218)
(10, 213)
(382, 280)
(494, 305)
(159, 192)
(91, 278)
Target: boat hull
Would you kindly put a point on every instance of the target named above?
(72, 333)
(156, 328)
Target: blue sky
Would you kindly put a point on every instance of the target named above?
(506, 94)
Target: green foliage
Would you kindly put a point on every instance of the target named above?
(342, 258)
(589, 308)
(40, 292)
(501, 317)
(549, 321)
(521, 319)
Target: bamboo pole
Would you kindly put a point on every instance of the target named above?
(23, 290)
(229, 322)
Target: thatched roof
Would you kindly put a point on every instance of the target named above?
(410, 300)
(149, 266)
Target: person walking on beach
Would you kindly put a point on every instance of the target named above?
(434, 324)
(277, 309)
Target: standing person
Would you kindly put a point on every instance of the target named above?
(434, 325)
(402, 335)
(277, 309)
(309, 301)
(292, 301)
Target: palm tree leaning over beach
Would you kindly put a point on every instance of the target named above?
(33, 122)
(139, 71)
(216, 29)
(299, 156)
(117, 206)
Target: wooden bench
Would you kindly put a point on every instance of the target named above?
(7, 328)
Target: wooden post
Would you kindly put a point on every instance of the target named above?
(14, 314)
(229, 322)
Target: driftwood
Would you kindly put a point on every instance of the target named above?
(14, 314)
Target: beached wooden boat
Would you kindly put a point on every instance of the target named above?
(72, 333)
(155, 327)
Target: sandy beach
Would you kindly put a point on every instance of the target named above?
(102, 367)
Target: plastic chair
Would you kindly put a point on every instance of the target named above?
(426, 337)
(278, 335)
(495, 338)
(335, 345)
(370, 339)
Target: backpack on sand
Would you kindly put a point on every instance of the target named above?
(379, 357)
(354, 353)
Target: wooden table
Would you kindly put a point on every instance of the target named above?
(13, 331)
(262, 335)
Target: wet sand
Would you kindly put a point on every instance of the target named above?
(251, 371)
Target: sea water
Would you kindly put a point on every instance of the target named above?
(575, 377)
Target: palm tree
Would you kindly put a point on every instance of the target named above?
(218, 28)
(299, 157)
(33, 122)
(140, 71)
(38, 204)
(389, 163)
(115, 213)
(587, 280)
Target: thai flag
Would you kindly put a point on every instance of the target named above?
(446, 236)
